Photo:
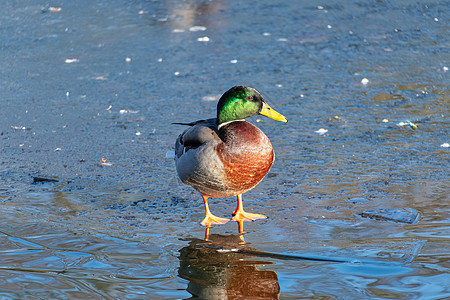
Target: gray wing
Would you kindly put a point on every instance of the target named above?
(195, 136)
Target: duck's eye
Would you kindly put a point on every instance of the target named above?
(249, 98)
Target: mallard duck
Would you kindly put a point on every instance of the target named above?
(227, 156)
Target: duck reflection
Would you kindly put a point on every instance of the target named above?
(217, 269)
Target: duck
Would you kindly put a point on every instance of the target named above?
(227, 156)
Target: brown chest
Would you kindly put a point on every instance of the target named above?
(246, 153)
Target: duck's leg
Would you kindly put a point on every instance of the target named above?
(211, 219)
(240, 215)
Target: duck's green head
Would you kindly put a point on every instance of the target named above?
(241, 102)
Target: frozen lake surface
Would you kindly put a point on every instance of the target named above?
(358, 197)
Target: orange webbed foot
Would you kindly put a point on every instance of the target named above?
(211, 219)
(240, 215)
(245, 216)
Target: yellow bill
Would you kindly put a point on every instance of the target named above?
(271, 113)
